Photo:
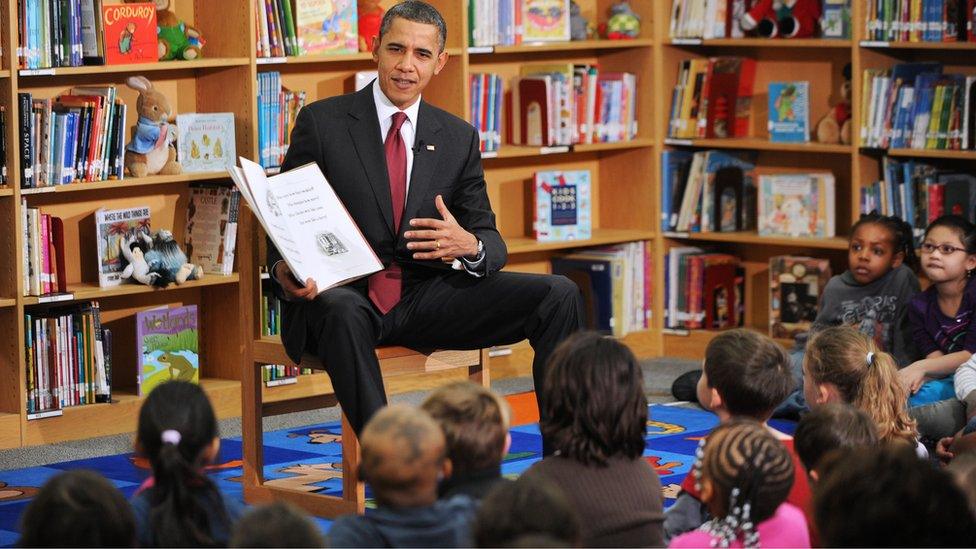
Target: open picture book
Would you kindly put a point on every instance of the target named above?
(307, 222)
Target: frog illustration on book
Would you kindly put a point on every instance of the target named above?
(180, 368)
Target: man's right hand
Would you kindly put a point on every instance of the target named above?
(292, 287)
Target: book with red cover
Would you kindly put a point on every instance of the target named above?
(130, 33)
(719, 292)
(531, 120)
(729, 98)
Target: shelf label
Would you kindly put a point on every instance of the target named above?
(489, 154)
(273, 171)
(481, 49)
(47, 413)
(554, 150)
(38, 190)
(676, 332)
(875, 44)
(686, 41)
(675, 234)
(36, 72)
(679, 142)
(265, 276)
(282, 381)
(271, 60)
(54, 298)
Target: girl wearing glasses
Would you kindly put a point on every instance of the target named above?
(941, 316)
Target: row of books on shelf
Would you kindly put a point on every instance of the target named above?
(920, 20)
(44, 271)
(512, 22)
(68, 358)
(706, 290)
(486, 109)
(719, 191)
(709, 19)
(73, 33)
(712, 98)
(917, 106)
(565, 104)
(3, 145)
(616, 283)
(306, 27)
(919, 192)
(277, 110)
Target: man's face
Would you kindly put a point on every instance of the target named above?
(407, 57)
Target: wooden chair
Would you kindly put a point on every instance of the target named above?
(394, 361)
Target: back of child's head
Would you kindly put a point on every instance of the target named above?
(832, 427)
(277, 524)
(403, 456)
(865, 377)
(529, 506)
(749, 371)
(177, 432)
(902, 238)
(475, 422)
(594, 400)
(962, 227)
(78, 509)
(885, 496)
(963, 470)
(744, 474)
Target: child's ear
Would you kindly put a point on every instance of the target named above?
(714, 399)
(898, 259)
(707, 491)
(508, 445)
(828, 392)
(814, 475)
(211, 451)
(447, 469)
(970, 262)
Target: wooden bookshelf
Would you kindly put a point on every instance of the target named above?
(745, 237)
(89, 186)
(756, 144)
(798, 43)
(937, 46)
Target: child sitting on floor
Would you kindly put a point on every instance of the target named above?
(78, 509)
(596, 420)
(745, 374)
(277, 524)
(475, 422)
(828, 428)
(403, 458)
(179, 505)
(744, 475)
(530, 507)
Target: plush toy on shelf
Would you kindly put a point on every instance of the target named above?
(624, 23)
(168, 261)
(370, 16)
(835, 126)
(151, 149)
(133, 249)
(579, 27)
(782, 18)
(176, 39)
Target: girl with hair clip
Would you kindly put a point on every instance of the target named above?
(179, 506)
(842, 365)
(744, 475)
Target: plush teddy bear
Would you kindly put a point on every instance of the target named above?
(176, 39)
(168, 261)
(835, 126)
(151, 149)
(370, 15)
(782, 18)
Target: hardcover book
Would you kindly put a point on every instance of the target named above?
(796, 285)
(789, 112)
(167, 344)
(326, 27)
(211, 227)
(111, 229)
(206, 141)
(562, 206)
(797, 205)
(130, 33)
(545, 20)
(595, 281)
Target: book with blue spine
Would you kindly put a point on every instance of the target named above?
(789, 112)
(562, 206)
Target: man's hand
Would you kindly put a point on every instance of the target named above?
(440, 239)
(942, 450)
(293, 288)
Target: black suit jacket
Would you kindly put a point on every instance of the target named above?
(342, 135)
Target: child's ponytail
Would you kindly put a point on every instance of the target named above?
(176, 426)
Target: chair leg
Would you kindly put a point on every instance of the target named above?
(480, 373)
(252, 430)
(353, 490)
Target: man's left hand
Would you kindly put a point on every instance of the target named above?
(440, 238)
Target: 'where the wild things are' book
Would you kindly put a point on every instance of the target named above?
(206, 141)
(789, 112)
(112, 227)
(167, 343)
(562, 206)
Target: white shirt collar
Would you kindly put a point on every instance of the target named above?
(386, 109)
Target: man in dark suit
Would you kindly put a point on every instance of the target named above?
(391, 156)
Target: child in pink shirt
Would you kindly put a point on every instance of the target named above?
(744, 475)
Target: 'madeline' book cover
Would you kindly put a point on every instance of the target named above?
(167, 346)
(130, 33)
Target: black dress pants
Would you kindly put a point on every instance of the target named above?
(452, 311)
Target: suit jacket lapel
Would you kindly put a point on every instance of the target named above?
(424, 162)
(364, 129)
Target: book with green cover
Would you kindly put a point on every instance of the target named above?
(168, 346)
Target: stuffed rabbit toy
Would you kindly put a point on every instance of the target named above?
(151, 150)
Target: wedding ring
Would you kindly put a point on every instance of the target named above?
(438, 244)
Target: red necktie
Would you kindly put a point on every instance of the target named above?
(385, 286)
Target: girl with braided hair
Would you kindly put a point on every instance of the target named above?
(843, 365)
(744, 475)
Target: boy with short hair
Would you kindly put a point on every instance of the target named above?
(828, 428)
(475, 422)
(745, 374)
(403, 458)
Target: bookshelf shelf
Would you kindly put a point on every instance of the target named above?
(929, 46)
(601, 237)
(835, 243)
(479, 54)
(86, 292)
(6, 191)
(5, 302)
(4, 73)
(516, 151)
(617, 146)
(760, 145)
(793, 43)
(9, 430)
(205, 63)
(934, 153)
(126, 183)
